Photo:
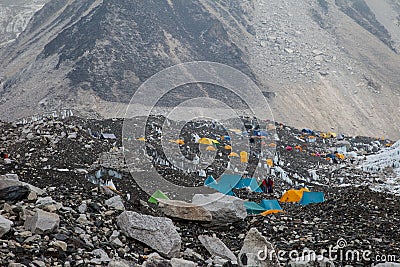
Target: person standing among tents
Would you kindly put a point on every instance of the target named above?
(270, 185)
(264, 185)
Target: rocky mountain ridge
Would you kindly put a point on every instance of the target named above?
(334, 62)
(15, 16)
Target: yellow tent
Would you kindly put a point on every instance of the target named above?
(272, 145)
(340, 156)
(323, 135)
(293, 195)
(207, 141)
(179, 141)
(211, 148)
(141, 139)
(233, 154)
(270, 163)
(235, 130)
(243, 157)
(228, 147)
(331, 135)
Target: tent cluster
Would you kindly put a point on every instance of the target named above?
(264, 208)
(302, 196)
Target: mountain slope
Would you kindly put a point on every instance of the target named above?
(321, 63)
(14, 17)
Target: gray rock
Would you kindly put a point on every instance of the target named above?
(120, 263)
(222, 207)
(5, 182)
(218, 261)
(182, 263)
(39, 263)
(5, 225)
(82, 208)
(83, 220)
(155, 260)
(32, 196)
(12, 176)
(42, 222)
(33, 188)
(117, 242)
(115, 203)
(250, 253)
(184, 210)
(157, 232)
(48, 204)
(100, 256)
(60, 244)
(14, 264)
(217, 248)
(114, 235)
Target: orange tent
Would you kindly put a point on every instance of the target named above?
(293, 195)
(211, 148)
(233, 154)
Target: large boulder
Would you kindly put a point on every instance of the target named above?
(5, 225)
(159, 233)
(184, 210)
(11, 189)
(257, 251)
(224, 208)
(216, 247)
(42, 222)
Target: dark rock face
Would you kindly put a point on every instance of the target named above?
(120, 44)
(359, 11)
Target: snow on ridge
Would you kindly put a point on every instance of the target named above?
(387, 158)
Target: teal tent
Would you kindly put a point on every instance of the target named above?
(272, 204)
(225, 184)
(253, 208)
(249, 182)
(312, 197)
(210, 180)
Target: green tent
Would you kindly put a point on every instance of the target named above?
(157, 194)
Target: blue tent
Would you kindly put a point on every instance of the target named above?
(312, 197)
(225, 184)
(307, 131)
(249, 182)
(270, 204)
(210, 180)
(332, 156)
(260, 133)
(227, 138)
(253, 208)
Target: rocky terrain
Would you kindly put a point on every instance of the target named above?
(55, 212)
(334, 62)
(15, 16)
